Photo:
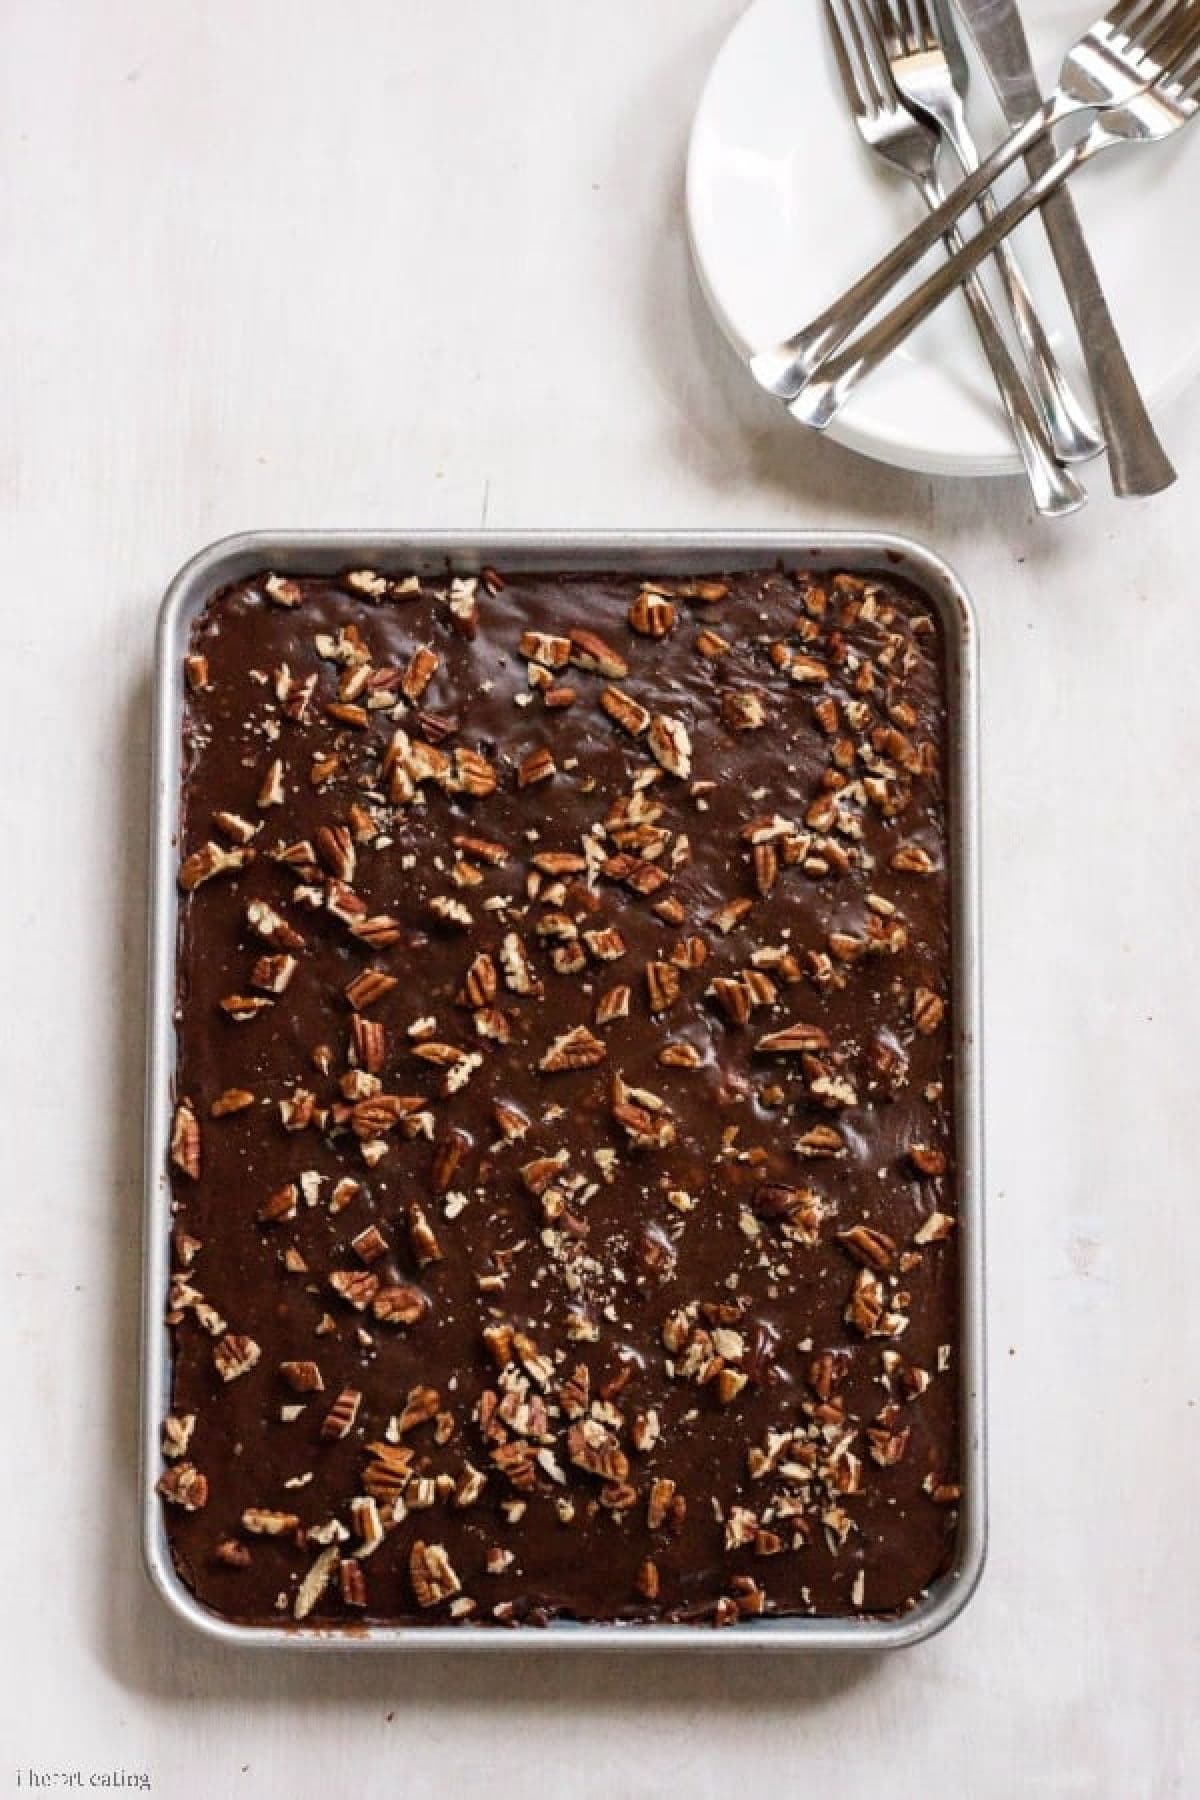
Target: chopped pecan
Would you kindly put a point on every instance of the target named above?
(210, 860)
(302, 1377)
(874, 1249)
(473, 774)
(280, 1206)
(432, 1574)
(624, 711)
(867, 1308)
(670, 745)
(387, 1471)
(933, 1229)
(421, 1235)
(234, 1355)
(339, 1420)
(651, 614)
(261, 1521)
(578, 1048)
(911, 859)
(535, 766)
(183, 1485)
(185, 1140)
(662, 985)
(233, 1100)
(369, 1244)
(543, 647)
(928, 1010)
(594, 1449)
(743, 710)
(613, 1004)
(177, 1429)
(357, 1287)
(592, 653)
(659, 1501)
(352, 1583)
(272, 927)
(793, 1040)
(399, 1304)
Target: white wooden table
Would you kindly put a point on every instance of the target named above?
(421, 262)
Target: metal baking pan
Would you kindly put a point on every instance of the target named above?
(663, 553)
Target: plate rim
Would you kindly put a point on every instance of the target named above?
(877, 442)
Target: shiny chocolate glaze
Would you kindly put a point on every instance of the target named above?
(699, 1281)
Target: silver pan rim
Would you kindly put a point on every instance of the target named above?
(227, 560)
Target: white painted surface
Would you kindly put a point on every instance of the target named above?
(404, 262)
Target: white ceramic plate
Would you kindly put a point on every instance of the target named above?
(786, 207)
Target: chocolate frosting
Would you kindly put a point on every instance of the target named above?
(676, 1229)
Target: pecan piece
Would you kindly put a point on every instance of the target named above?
(936, 1227)
(624, 711)
(183, 1485)
(262, 1521)
(352, 1583)
(272, 927)
(662, 985)
(233, 1100)
(422, 666)
(543, 647)
(928, 1010)
(519, 974)
(594, 1449)
(185, 1140)
(302, 1377)
(910, 859)
(210, 860)
(670, 745)
(278, 1208)
(743, 710)
(536, 766)
(399, 1304)
(421, 1236)
(481, 983)
(177, 1429)
(432, 1574)
(578, 1048)
(357, 1287)
(339, 1420)
(793, 1040)
(867, 1310)
(651, 615)
(592, 653)
(369, 1244)
(369, 1040)
(613, 1004)
(368, 986)
(874, 1249)
(473, 774)
(387, 1474)
(420, 1406)
(315, 1582)
(658, 1503)
(234, 1355)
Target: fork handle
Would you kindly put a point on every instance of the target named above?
(1137, 462)
(1055, 490)
(822, 398)
(1071, 431)
(785, 368)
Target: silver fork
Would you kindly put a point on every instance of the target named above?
(910, 145)
(930, 72)
(1149, 115)
(1109, 66)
